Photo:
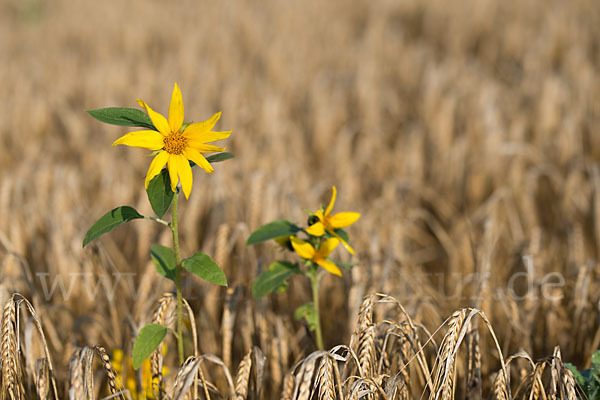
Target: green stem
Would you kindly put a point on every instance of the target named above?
(315, 277)
(178, 267)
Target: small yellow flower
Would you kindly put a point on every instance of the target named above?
(306, 251)
(122, 365)
(327, 222)
(174, 146)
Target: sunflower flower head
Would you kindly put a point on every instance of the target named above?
(123, 365)
(329, 223)
(175, 143)
(319, 257)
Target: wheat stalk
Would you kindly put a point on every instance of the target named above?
(108, 368)
(288, 386)
(447, 356)
(242, 377)
(186, 375)
(324, 380)
(42, 388)
(11, 376)
(156, 358)
(473, 365)
(77, 384)
(366, 338)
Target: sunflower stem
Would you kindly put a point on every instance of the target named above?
(315, 277)
(178, 267)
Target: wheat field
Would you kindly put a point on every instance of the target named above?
(465, 133)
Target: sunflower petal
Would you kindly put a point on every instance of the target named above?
(158, 120)
(172, 165)
(344, 243)
(327, 247)
(151, 140)
(195, 156)
(332, 202)
(302, 248)
(208, 148)
(316, 229)
(185, 174)
(176, 109)
(319, 214)
(343, 219)
(206, 137)
(329, 266)
(199, 129)
(156, 166)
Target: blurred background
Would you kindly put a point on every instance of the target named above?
(467, 135)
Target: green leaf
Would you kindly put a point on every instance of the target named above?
(346, 265)
(272, 230)
(220, 157)
(272, 279)
(596, 361)
(159, 193)
(343, 234)
(147, 341)
(576, 374)
(123, 117)
(110, 221)
(308, 312)
(203, 266)
(164, 260)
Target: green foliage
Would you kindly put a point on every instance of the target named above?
(147, 341)
(274, 279)
(203, 266)
(343, 234)
(272, 230)
(308, 312)
(164, 260)
(122, 116)
(346, 265)
(160, 194)
(110, 221)
(220, 157)
(589, 379)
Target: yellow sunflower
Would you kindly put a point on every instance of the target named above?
(319, 257)
(328, 222)
(173, 146)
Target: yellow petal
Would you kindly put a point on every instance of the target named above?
(319, 214)
(316, 229)
(156, 166)
(195, 156)
(329, 266)
(151, 140)
(172, 165)
(343, 219)
(185, 175)
(344, 243)
(176, 109)
(327, 247)
(200, 129)
(195, 140)
(332, 202)
(302, 248)
(158, 120)
(207, 148)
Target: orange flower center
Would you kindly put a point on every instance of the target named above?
(175, 143)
